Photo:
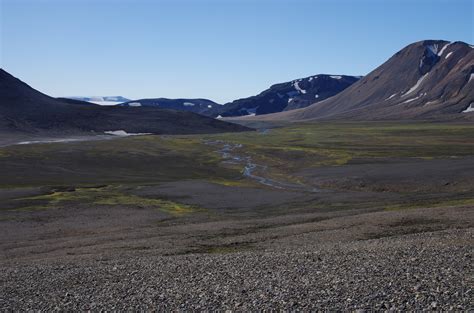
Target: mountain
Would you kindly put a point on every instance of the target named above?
(107, 100)
(25, 109)
(200, 106)
(430, 79)
(291, 95)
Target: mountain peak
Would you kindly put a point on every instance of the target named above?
(429, 79)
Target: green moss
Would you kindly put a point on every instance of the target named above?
(170, 207)
(285, 151)
(110, 196)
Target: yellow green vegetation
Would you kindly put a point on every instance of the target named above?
(110, 196)
(293, 148)
(234, 182)
(285, 151)
(337, 143)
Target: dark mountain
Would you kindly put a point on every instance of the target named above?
(23, 108)
(291, 95)
(200, 106)
(431, 79)
(280, 97)
(74, 101)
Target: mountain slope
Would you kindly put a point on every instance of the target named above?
(431, 79)
(25, 109)
(200, 106)
(291, 95)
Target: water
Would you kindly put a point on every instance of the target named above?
(229, 155)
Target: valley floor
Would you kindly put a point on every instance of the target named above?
(329, 216)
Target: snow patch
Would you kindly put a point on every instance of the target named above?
(336, 76)
(297, 87)
(448, 55)
(290, 99)
(470, 77)
(48, 141)
(209, 106)
(105, 102)
(433, 48)
(188, 104)
(470, 108)
(440, 53)
(219, 117)
(134, 104)
(123, 133)
(410, 100)
(415, 87)
(316, 96)
(391, 96)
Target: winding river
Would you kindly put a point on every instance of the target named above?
(229, 154)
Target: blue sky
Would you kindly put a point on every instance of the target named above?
(220, 50)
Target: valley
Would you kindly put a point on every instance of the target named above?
(203, 207)
(268, 156)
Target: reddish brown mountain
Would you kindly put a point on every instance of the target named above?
(430, 79)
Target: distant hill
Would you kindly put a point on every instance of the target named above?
(201, 106)
(290, 95)
(430, 79)
(25, 109)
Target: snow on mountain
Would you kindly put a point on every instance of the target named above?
(102, 100)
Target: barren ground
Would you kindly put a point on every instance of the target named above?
(383, 219)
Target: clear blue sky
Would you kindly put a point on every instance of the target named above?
(220, 50)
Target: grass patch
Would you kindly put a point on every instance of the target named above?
(109, 196)
(285, 151)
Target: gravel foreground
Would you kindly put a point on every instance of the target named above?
(429, 271)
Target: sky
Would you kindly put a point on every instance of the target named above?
(216, 49)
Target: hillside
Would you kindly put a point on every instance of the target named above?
(25, 109)
(431, 79)
(290, 95)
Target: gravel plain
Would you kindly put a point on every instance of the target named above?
(424, 271)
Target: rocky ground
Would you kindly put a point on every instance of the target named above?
(385, 221)
(301, 269)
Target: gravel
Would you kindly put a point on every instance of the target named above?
(424, 271)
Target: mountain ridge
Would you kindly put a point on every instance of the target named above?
(429, 79)
(24, 109)
(278, 97)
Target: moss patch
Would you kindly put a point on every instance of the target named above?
(109, 196)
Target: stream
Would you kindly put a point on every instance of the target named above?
(229, 155)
